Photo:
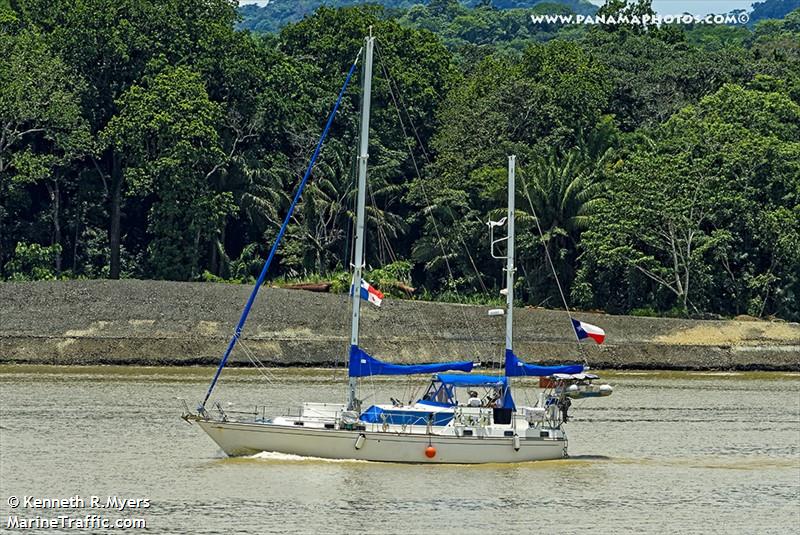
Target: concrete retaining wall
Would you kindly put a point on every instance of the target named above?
(172, 323)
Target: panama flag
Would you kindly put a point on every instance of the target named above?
(587, 330)
(368, 293)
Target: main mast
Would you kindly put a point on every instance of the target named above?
(363, 155)
(510, 256)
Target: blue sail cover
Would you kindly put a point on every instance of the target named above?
(517, 368)
(363, 365)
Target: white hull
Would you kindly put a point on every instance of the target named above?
(244, 438)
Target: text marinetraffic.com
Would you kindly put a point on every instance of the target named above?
(30, 512)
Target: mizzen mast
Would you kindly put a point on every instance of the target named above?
(510, 256)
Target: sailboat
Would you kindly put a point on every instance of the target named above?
(450, 423)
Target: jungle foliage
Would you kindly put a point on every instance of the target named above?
(154, 139)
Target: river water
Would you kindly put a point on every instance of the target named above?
(667, 453)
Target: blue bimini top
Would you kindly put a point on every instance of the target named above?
(450, 380)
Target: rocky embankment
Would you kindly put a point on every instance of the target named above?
(171, 323)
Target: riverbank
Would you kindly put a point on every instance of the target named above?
(172, 323)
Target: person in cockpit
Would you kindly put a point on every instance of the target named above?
(474, 400)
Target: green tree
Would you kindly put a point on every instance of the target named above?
(775, 45)
(772, 9)
(528, 106)
(31, 261)
(653, 79)
(41, 130)
(413, 71)
(562, 191)
(110, 43)
(166, 131)
(267, 129)
(705, 219)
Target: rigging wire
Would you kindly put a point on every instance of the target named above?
(409, 383)
(350, 247)
(263, 370)
(458, 222)
(387, 247)
(262, 276)
(553, 269)
(549, 259)
(429, 211)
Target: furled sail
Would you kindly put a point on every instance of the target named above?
(363, 365)
(517, 368)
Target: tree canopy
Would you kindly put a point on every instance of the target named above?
(659, 168)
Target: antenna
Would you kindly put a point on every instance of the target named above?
(492, 241)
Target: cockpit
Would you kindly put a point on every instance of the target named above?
(467, 390)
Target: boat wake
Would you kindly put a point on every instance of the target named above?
(589, 458)
(288, 457)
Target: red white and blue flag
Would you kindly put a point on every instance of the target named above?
(368, 293)
(587, 330)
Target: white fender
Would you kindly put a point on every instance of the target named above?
(516, 442)
(360, 441)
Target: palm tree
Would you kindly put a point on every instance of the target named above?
(562, 191)
(260, 193)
